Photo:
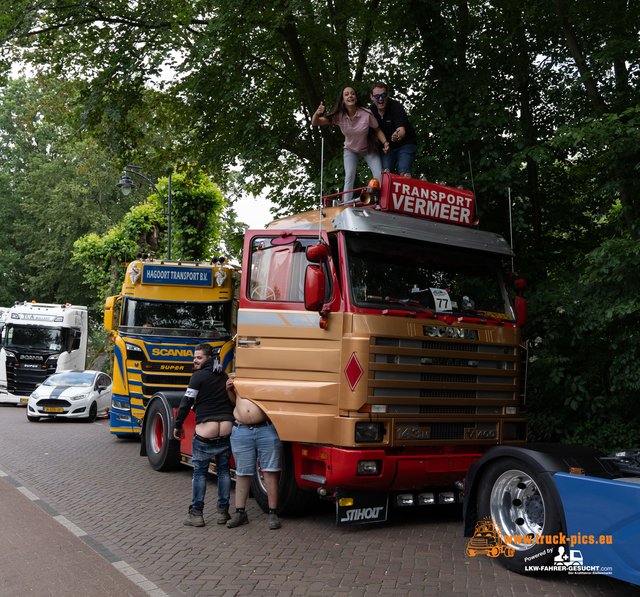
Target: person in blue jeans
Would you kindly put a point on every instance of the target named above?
(361, 135)
(208, 397)
(393, 122)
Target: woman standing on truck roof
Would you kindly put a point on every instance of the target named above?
(360, 129)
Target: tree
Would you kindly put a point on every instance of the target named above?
(198, 227)
(53, 189)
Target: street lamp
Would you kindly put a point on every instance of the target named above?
(126, 184)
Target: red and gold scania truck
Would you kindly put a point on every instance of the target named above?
(382, 339)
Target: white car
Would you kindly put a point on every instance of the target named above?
(72, 395)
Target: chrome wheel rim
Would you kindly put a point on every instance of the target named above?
(517, 509)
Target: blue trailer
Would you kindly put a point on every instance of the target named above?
(558, 507)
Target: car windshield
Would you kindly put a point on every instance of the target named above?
(31, 336)
(68, 380)
(391, 273)
(195, 320)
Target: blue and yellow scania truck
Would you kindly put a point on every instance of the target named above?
(164, 310)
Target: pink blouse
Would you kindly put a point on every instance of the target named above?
(356, 131)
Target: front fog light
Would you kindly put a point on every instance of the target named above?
(369, 432)
(405, 499)
(426, 499)
(446, 497)
(367, 467)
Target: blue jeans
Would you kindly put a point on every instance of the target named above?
(201, 455)
(404, 155)
(351, 160)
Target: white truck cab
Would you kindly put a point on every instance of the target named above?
(37, 340)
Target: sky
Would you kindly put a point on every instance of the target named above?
(253, 211)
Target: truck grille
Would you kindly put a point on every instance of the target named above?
(21, 382)
(172, 380)
(413, 368)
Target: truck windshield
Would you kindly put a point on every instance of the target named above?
(391, 273)
(34, 337)
(190, 320)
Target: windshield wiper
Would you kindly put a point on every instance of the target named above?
(483, 315)
(411, 304)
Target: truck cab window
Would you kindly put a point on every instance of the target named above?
(432, 277)
(278, 270)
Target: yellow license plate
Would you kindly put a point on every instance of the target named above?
(51, 409)
(24, 399)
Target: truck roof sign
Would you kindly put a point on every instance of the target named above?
(176, 275)
(418, 198)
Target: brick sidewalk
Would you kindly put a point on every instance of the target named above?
(45, 556)
(132, 514)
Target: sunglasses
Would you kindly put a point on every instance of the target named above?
(380, 96)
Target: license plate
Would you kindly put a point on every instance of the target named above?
(24, 399)
(51, 409)
(360, 507)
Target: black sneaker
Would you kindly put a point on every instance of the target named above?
(194, 519)
(238, 519)
(274, 523)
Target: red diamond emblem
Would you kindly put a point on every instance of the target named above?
(353, 372)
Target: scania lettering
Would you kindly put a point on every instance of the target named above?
(383, 342)
(39, 339)
(164, 310)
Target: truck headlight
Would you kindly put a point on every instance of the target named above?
(368, 467)
(369, 432)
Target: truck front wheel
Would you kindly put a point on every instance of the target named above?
(512, 495)
(292, 500)
(163, 451)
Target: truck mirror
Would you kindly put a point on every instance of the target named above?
(520, 303)
(521, 310)
(314, 288)
(109, 310)
(317, 253)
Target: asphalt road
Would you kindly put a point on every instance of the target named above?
(131, 514)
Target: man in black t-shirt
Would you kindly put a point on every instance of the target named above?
(207, 395)
(395, 125)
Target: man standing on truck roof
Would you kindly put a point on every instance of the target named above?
(254, 435)
(211, 402)
(394, 123)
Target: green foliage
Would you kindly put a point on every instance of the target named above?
(584, 377)
(53, 189)
(197, 226)
(102, 257)
(197, 205)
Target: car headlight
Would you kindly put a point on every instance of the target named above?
(34, 395)
(80, 396)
